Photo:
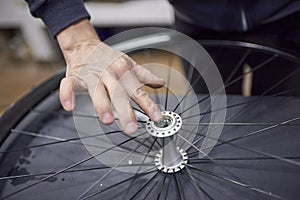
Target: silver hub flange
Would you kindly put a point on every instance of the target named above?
(174, 168)
(169, 125)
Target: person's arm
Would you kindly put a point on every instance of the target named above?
(110, 76)
(58, 14)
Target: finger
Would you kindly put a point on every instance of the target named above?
(120, 101)
(66, 93)
(147, 77)
(100, 100)
(135, 90)
(141, 97)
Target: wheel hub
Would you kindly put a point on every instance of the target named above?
(170, 158)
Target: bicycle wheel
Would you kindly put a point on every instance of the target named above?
(256, 155)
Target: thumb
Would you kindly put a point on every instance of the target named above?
(66, 93)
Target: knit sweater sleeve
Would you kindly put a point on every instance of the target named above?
(58, 14)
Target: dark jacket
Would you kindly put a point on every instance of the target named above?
(219, 15)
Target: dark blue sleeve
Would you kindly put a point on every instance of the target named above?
(58, 14)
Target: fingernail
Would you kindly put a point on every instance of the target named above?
(157, 116)
(68, 105)
(131, 127)
(107, 118)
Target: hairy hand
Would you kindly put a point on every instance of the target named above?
(111, 78)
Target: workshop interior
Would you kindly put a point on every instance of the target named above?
(230, 105)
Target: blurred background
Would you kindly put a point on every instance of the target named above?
(29, 55)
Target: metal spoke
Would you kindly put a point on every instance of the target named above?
(53, 143)
(168, 82)
(148, 59)
(119, 183)
(168, 188)
(138, 171)
(110, 170)
(257, 132)
(67, 168)
(238, 183)
(32, 134)
(203, 160)
(238, 65)
(152, 188)
(178, 191)
(63, 113)
(162, 187)
(233, 81)
(186, 94)
(139, 110)
(145, 185)
(240, 124)
(189, 177)
(257, 99)
(247, 149)
(70, 171)
(209, 157)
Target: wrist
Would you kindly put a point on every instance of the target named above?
(75, 34)
(77, 40)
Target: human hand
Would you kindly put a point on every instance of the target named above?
(108, 75)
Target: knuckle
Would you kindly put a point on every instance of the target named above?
(140, 94)
(121, 65)
(145, 74)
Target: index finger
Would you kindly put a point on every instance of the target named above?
(136, 91)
